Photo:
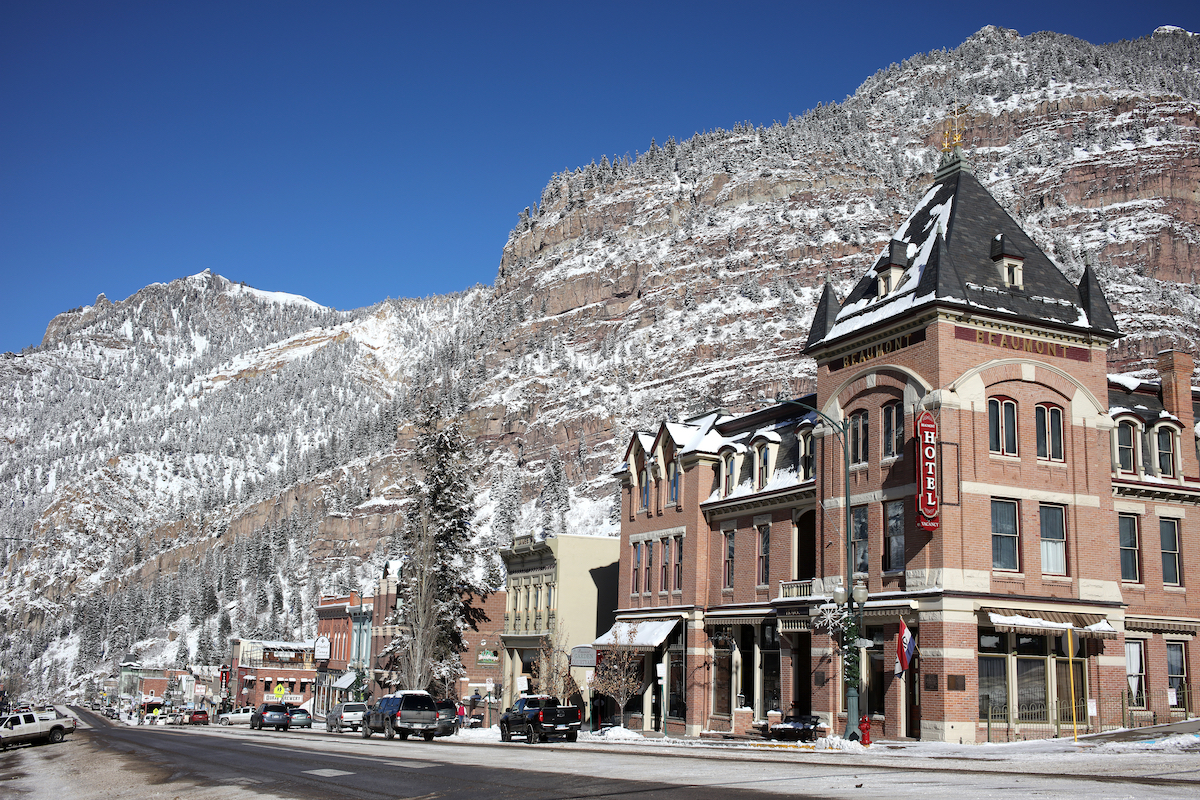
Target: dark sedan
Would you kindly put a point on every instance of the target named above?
(271, 715)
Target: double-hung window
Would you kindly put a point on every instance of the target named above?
(859, 430)
(673, 483)
(664, 565)
(893, 546)
(762, 463)
(1165, 439)
(649, 566)
(643, 489)
(1049, 423)
(893, 430)
(1131, 562)
(764, 555)
(805, 447)
(727, 470)
(1054, 540)
(858, 536)
(1005, 534)
(1135, 672)
(1126, 446)
(1176, 674)
(637, 568)
(1002, 426)
(729, 559)
(1168, 533)
(678, 563)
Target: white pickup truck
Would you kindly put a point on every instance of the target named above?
(26, 727)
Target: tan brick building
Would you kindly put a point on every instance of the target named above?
(1047, 498)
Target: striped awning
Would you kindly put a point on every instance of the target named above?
(1049, 623)
(1159, 625)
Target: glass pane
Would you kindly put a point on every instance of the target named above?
(1010, 428)
(1166, 456)
(1054, 551)
(1031, 689)
(1064, 688)
(1004, 517)
(1127, 530)
(994, 426)
(887, 431)
(993, 685)
(1042, 438)
(1056, 434)
(722, 682)
(1169, 537)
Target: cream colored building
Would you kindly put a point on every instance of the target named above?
(561, 590)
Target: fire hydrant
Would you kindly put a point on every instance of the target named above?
(864, 730)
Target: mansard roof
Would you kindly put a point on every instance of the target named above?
(953, 240)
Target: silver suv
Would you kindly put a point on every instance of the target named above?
(345, 715)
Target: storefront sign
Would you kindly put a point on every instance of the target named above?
(1023, 344)
(487, 658)
(927, 496)
(321, 649)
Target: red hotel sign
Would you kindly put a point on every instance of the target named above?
(927, 489)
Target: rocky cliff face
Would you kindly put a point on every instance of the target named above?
(173, 428)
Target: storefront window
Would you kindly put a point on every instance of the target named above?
(723, 682)
(676, 685)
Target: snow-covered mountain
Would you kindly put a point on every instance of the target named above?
(157, 442)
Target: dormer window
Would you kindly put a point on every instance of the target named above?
(727, 477)
(1164, 447)
(1010, 261)
(762, 462)
(804, 453)
(1126, 446)
(891, 273)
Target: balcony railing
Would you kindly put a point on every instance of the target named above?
(793, 589)
(532, 623)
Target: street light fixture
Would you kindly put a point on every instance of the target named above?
(858, 594)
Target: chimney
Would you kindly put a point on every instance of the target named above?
(1175, 368)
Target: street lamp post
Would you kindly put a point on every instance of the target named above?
(857, 594)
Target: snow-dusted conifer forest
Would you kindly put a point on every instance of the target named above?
(205, 459)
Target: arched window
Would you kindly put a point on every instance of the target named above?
(858, 437)
(1002, 426)
(762, 463)
(1048, 420)
(1126, 446)
(893, 430)
(673, 482)
(727, 474)
(804, 456)
(643, 489)
(1164, 450)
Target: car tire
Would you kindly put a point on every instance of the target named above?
(366, 731)
(404, 736)
(572, 736)
(223, 721)
(428, 736)
(56, 736)
(333, 728)
(530, 736)
(505, 736)
(389, 732)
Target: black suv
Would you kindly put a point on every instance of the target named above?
(402, 713)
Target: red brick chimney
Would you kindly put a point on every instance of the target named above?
(1175, 368)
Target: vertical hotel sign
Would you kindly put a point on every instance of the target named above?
(927, 497)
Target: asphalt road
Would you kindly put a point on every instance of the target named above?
(114, 760)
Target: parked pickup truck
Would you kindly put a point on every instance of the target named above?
(402, 714)
(538, 718)
(28, 727)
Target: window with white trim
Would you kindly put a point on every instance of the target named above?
(1176, 674)
(893, 430)
(858, 529)
(1126, 446)
(673, 482)
(727, 475)
(664, 565)
(1164, 447)
(1135, 671)
(859, 437)
(762, 463)
(643, 489)
(1048, 420)
(1131, 556)
(1002, 426)
(805, 456)
(637, 568)
(728, 565)
(1054, 540)
(1168, 534)
(1005, 536)
(764, 554)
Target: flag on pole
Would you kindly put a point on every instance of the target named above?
(905, 647)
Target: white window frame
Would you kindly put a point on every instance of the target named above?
(728, 473)
(1015, 537)
(860, 430)
(762, 465)
(1006, 441)
(1175, 554)
(764, 553)
(1171, 434)
(893, 431)
(1135, 549)
(727, 560)
(1053, 549)
(1132, 448)
(673, 482)
(1045, 427)
(1135, 673)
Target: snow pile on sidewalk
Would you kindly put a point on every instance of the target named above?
(1179, 743)
(838, 743)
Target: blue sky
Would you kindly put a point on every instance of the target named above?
(355, 151)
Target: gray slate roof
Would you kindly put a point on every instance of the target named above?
(951, 239)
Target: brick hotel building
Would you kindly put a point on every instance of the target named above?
(1056, 498)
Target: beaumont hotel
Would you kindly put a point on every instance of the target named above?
(1064, 499)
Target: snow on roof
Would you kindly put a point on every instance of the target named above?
(1127, 380)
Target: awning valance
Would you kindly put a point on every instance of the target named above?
(346, 681)
(645, 634)
(1162, 625)
(736, 619)
(1048, 623)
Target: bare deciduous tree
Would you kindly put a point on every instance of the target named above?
(619, 669)
(552, 667)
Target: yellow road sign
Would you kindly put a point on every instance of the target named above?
(279, 690)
